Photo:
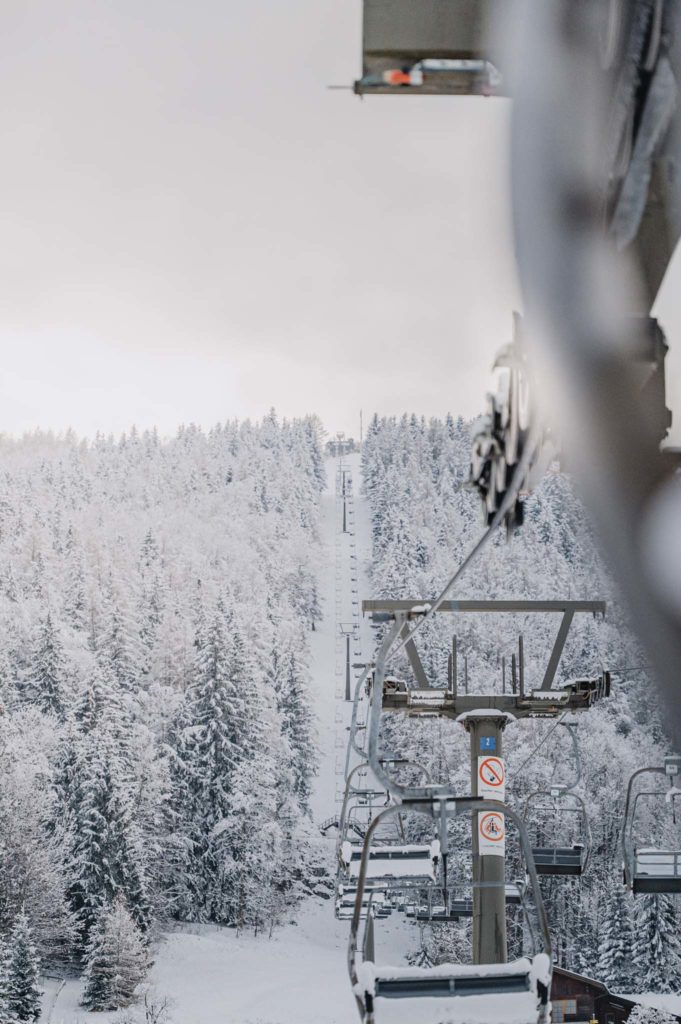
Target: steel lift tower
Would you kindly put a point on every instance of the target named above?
(485, 717)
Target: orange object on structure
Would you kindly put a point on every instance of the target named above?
(398, 77)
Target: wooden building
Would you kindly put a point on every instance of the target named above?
(579, 1000)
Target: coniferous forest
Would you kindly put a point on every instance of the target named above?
(156, 741)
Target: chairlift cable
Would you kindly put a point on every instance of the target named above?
(542, 742)
(507, 503)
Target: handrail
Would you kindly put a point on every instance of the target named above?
(652, 792)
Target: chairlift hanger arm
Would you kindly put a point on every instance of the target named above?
(352, 744)
(628, 820)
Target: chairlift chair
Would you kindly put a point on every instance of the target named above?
(560, 858)
(374, 902)
(649, 868)
(415, 864)
(451, 905)
(526, 981)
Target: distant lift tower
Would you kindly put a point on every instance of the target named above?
(349, 631)
(437, 47)
(484, 716)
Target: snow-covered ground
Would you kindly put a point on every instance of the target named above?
(211, 975)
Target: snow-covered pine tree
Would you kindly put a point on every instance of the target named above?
(117, 960)
(107, 856)
(47, 683)
(31, 845)
(21, 967)
(120, 649)
(4, 978)
(75, 594)
(211, 748)
(656, 947)
(297, 721)
(614, 951)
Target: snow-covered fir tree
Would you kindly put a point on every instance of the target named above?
(20, 996)
(47, 683)
(657, 945)
(107, 855)
(615, 966)
(117, 959)
(293, 703)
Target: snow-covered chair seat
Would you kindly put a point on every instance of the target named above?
(456, 907)
(415, 863)
(346, 913)
(513, 894)
(345, 904)
(515, 993)
(657, 870)
(452, 911)
(559, 860)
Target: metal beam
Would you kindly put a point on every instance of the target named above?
(415, 661)
(385, 605)
(439, 703)
(556, 653)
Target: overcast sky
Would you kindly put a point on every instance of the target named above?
(194, 227)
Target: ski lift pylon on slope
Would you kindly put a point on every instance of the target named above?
(527, 980)
(648, 868)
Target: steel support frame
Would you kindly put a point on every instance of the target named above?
(408, 610)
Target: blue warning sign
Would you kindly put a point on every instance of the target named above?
(488, 743)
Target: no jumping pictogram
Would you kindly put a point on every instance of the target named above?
(492, 827)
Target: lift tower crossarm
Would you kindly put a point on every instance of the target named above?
(419, 607)
(387, 610)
